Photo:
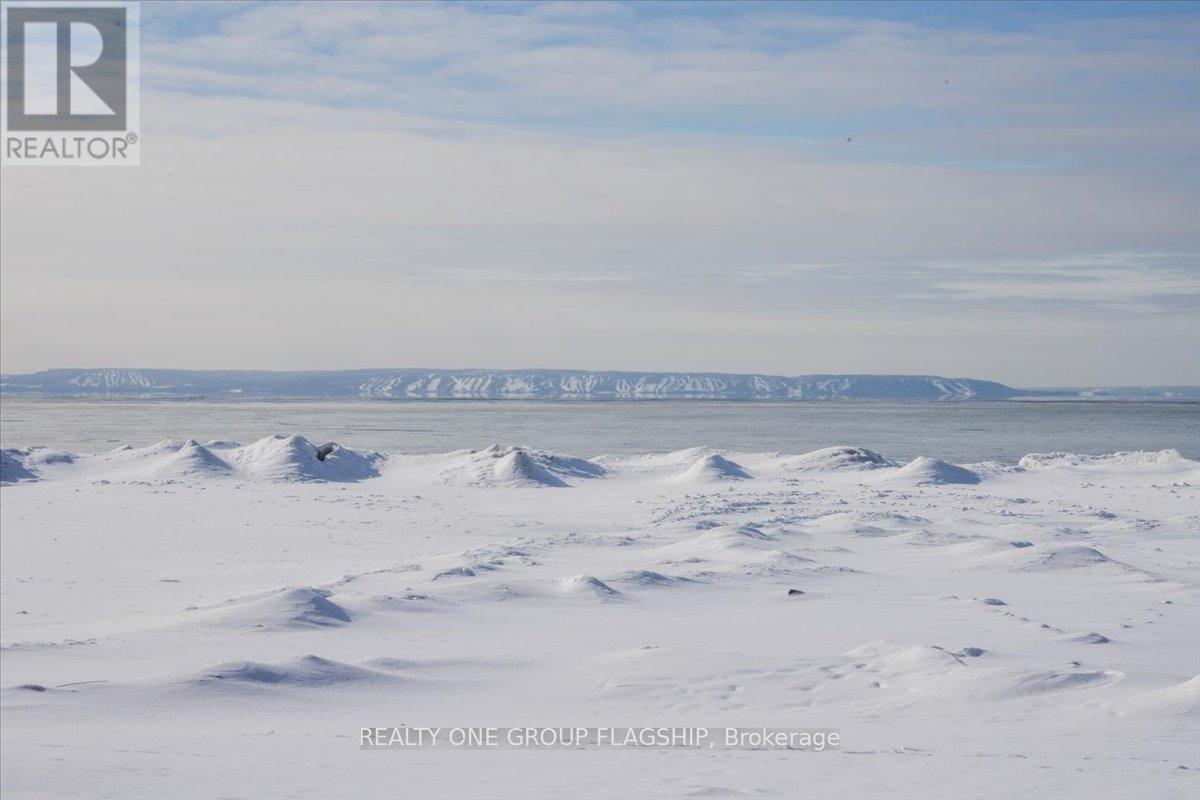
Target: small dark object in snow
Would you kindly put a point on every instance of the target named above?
(795, 592)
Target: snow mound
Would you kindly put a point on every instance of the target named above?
(13, 467)
(306, 671)
(1053, 557)
(831, 459)
(128, 453)
(1179, 699)
(925, 471)
(293, 459)
(24, 465)
(454, 572)
(41, 456)
(653, 461)
(189, 461)
(937, 673)
(712, 469)
(567, 466)
(409, 602)
(894, 659)
(650, 578)
(1041, 683)
(588, 585)
(980, 548)
(734, 537)
(852, 523)
(1144, 461)
(292, 607)
(515, 466)
(743, 549)
(518, 468)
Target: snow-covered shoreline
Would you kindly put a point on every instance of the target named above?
(197, 619)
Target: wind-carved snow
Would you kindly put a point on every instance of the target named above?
(254, 605)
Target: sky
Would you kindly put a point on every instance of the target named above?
(995, 190)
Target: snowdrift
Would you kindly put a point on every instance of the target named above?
(712, 469)
(291, 607)
(514, 466)
(294, 459)
(305, 672)
(13, 467)
(280, 459)
(1050, 558)
(1181, 699)
(190, 460)
(588, 585)
(1158, 462)
(831, 459)
(925, 471)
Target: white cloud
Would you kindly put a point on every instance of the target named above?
(373, 185)
(536, 61)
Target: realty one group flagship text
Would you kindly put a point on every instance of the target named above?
(809, 739)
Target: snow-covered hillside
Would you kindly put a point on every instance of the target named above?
(479, 383)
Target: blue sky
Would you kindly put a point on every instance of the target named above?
(1003, 190)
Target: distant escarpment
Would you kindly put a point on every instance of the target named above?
(537, 384)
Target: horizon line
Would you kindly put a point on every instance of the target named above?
(620, 371)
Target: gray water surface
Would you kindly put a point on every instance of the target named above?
(963, 432)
